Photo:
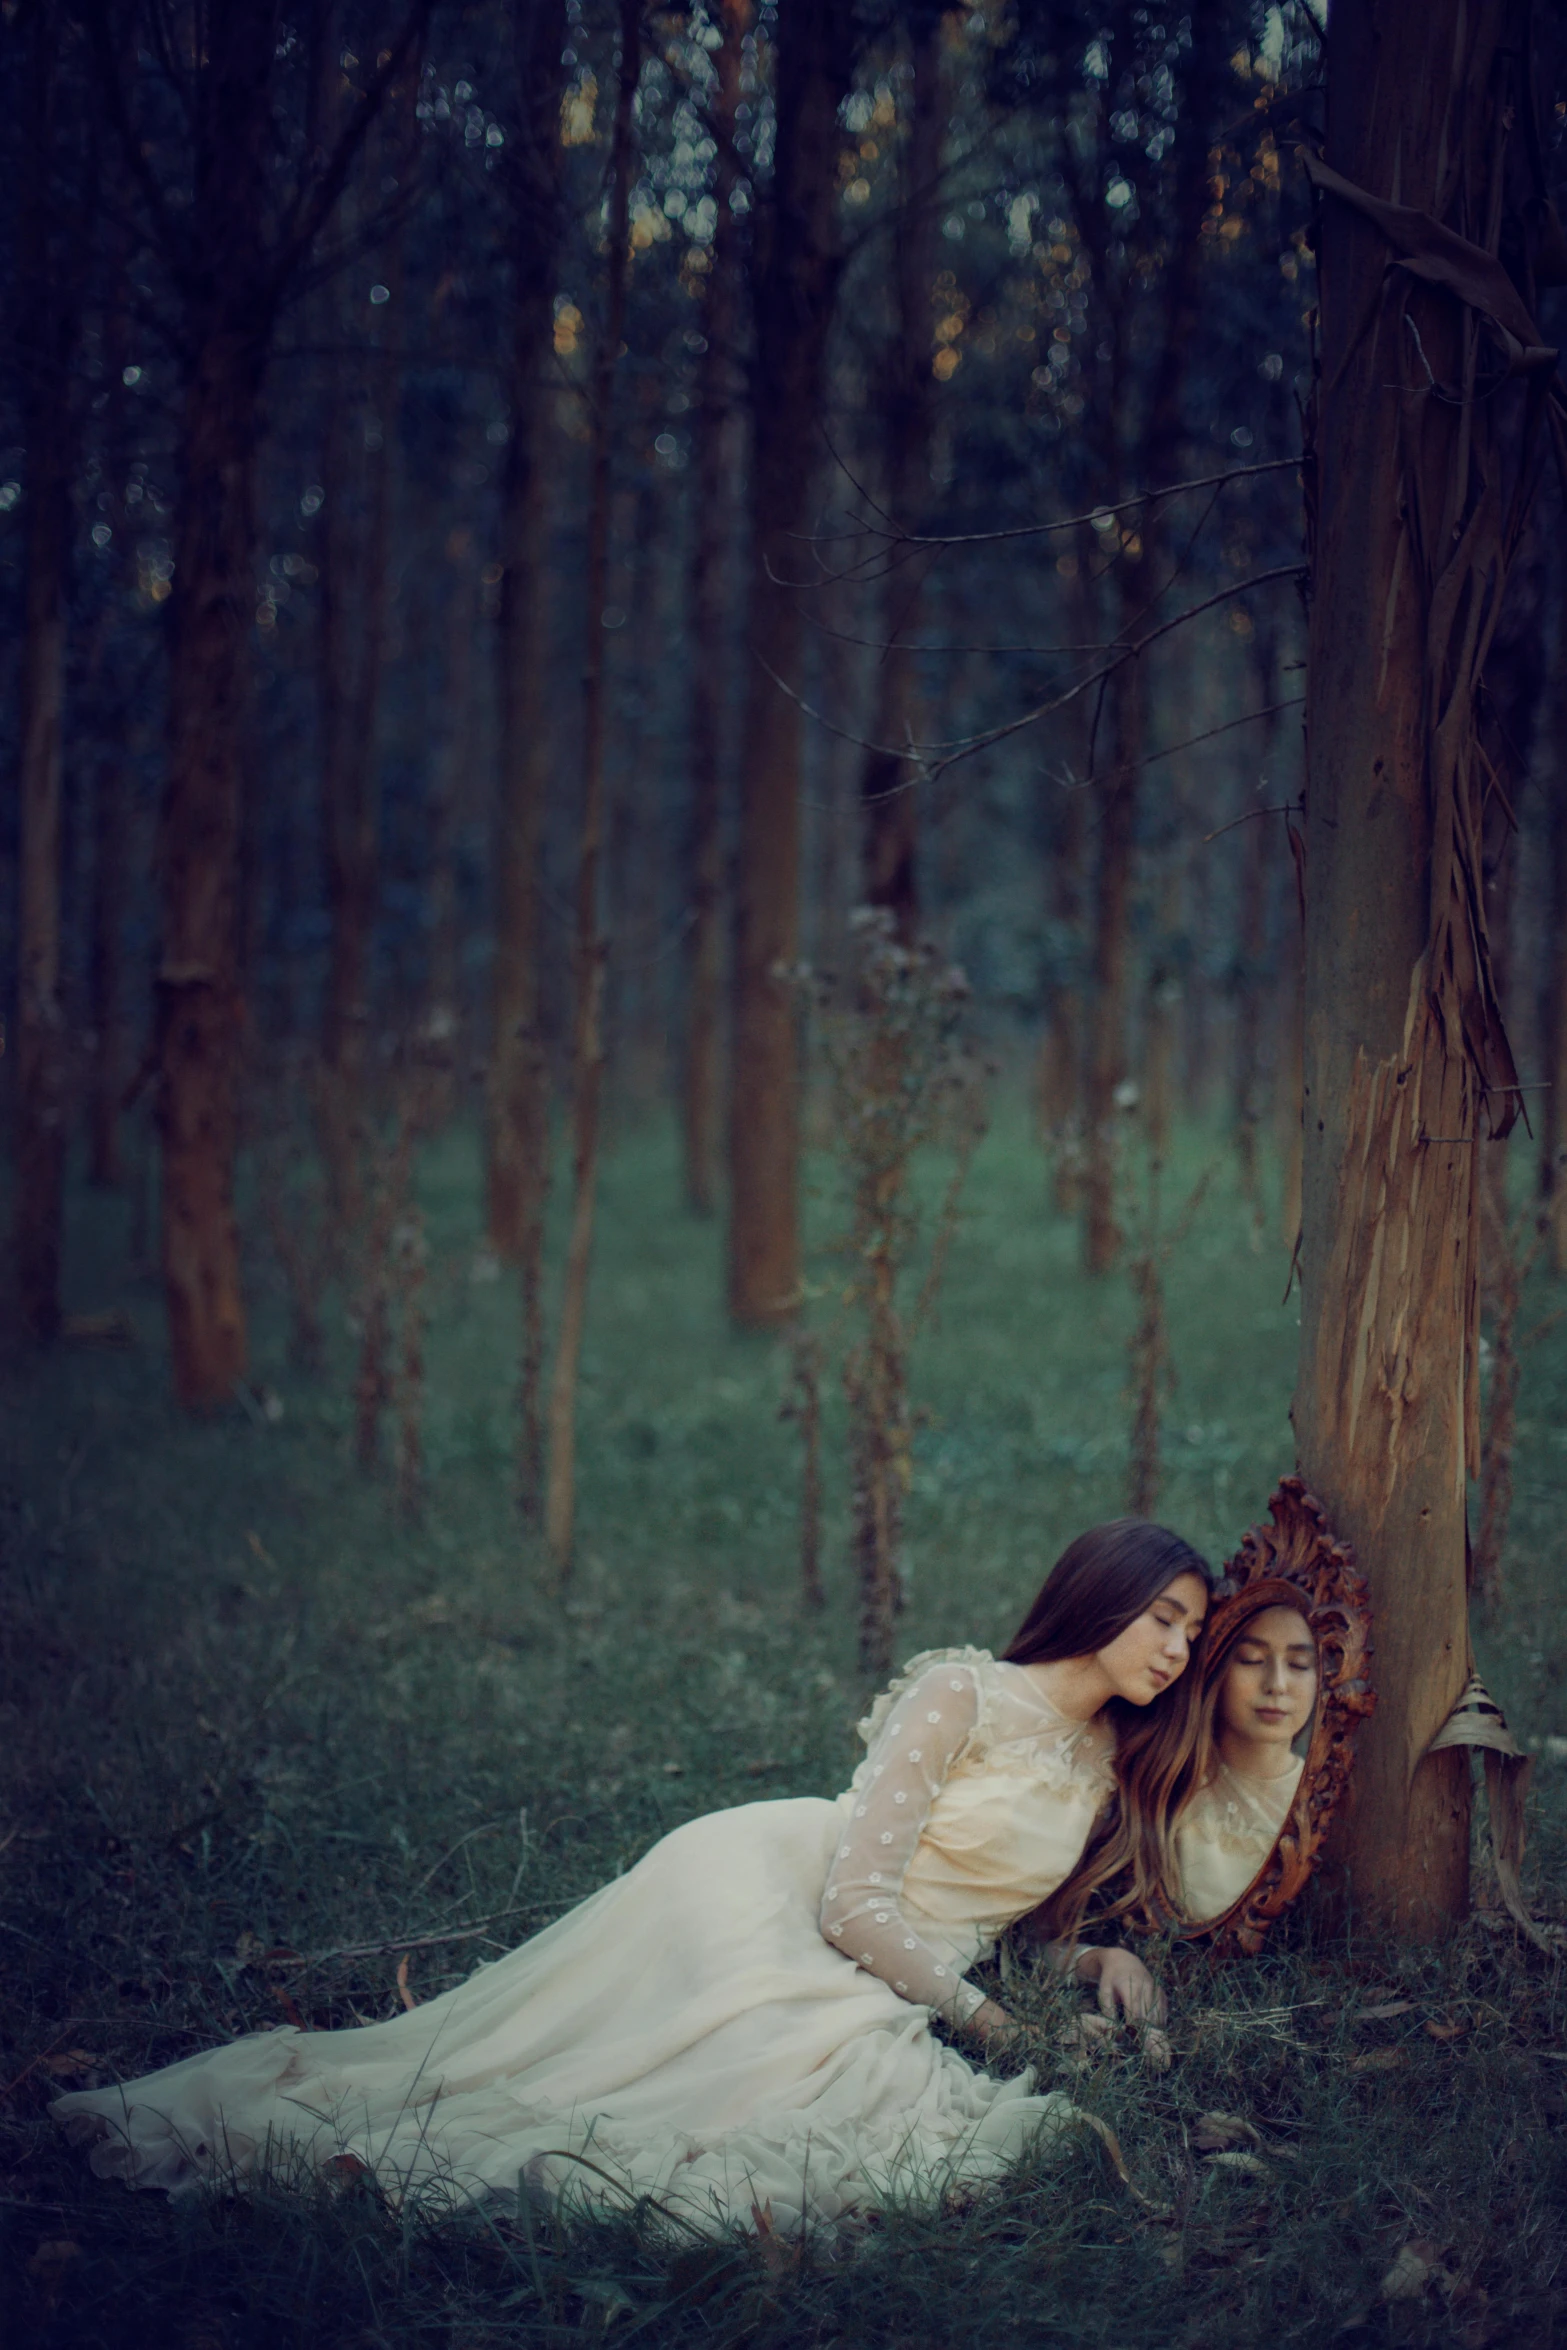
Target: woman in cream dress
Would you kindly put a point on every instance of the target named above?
(743, 2022)
(1261, 1686)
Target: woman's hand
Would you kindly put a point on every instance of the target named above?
(991, 2024)
(1127, 1992)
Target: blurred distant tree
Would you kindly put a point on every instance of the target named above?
(711, 587)
(1136, 134)
(358, 458)
(889, 802)
(795, 275)
(49, 271)
(207, 107)
(590, 947)
(517, 1109)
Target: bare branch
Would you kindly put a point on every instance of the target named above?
(932, 759)
(1029, 530)
(308, 216)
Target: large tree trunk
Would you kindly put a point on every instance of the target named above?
(888, 800)
(49, 323)
(710, 588)
(516, 1171)
(794, 288)
(1403, 1039)
(587, 1073)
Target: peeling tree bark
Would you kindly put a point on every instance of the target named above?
(1403, 1041)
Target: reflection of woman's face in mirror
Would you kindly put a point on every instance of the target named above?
(1267, 1692)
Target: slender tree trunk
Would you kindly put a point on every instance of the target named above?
(517, 1105)
(111, 846)
(1553, 1024)
(451, 788)
(106, 971)
(357, 653)
(1403, 1039)
(40, 1142)
(1106, 1060)
(888, 800)
(1062, 1044)
(1257, 845)
(198, 861)
(709, 591)
(794, 294)
(560, 1498)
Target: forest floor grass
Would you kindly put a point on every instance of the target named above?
(245, 1711)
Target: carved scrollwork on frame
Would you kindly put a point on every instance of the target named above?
(1297, 1561)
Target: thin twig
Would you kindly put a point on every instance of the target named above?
(398, 1941)
(1027, 530)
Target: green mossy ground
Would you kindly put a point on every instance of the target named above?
(244, 1710)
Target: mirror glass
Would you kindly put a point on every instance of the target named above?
(1285, 1687)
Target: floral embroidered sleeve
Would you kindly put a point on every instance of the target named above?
(862, 1915)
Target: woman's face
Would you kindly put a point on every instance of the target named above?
(1270, 1683)
(1154, 1648)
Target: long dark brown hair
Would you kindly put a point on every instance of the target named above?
(1099, 1585)
(1226, 1628)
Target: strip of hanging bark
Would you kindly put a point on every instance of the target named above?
(1443, 258)
(590, 951)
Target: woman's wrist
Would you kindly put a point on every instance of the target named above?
(988, 2019)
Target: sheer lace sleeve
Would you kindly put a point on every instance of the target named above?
(924, 1731)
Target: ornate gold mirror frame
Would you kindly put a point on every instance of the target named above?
(1299, 1555)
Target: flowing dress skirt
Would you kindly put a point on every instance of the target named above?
(684, 2034)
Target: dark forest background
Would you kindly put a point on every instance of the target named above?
(655, 972)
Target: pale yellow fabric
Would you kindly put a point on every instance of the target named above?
(1226, 1833)
(974, 1801)
(688, 2031)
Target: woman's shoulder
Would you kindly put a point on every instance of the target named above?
(965, 1671)
(1234, 1805)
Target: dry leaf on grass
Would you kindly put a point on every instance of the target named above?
(1453, 2028)
(1412, 2271)
(1213, 2133)
(1230, 2160)
(1387, 2007)
(1112, 2146)
(1379, 2060)
(776, 2253)
(47, 2267)
(403, 1992)
(68, 2061)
